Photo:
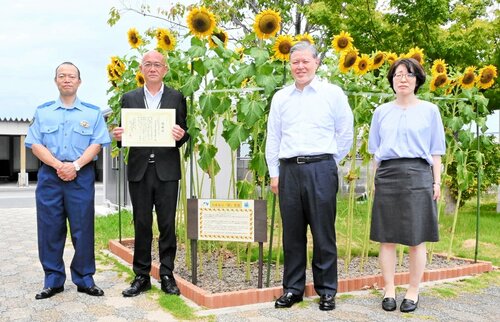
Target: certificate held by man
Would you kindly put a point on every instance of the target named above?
(146, 127)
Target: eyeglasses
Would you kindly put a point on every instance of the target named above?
(149, 65)
(70, 76)
(407, 76)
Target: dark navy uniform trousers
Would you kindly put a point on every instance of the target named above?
(307, 194)
(56, 202)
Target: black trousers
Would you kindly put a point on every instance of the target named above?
(145, 194)
(307, 194)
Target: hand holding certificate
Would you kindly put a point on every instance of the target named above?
(146, 127)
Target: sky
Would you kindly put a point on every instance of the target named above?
(36, 36)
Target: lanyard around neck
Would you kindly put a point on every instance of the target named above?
(146, 101)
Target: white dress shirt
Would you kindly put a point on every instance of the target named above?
(316, 120)
(153, 101)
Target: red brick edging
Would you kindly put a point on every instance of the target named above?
(252, 296)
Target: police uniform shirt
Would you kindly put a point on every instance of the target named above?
(68, 131)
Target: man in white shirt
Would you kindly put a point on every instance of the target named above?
(310, 129)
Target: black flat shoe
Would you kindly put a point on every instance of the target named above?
(92, 291)
(389, 304)
(139, 284)
(287, 300)
(327, 302)
(49, 292)
(408, 305)
(169, 286)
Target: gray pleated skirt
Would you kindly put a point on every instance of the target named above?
(403, 209)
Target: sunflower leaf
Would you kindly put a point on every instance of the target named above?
(246, 189)
(191, 85)
(258, 163)
(234, 134)
(207, 161)
(260, 55)
(250, 111)
(208, 102)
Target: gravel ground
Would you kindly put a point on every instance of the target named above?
(234, 274)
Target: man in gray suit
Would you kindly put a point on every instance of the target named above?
(153, 175)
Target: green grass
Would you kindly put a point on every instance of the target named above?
(466, 285)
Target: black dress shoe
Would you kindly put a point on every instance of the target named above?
(49, 292)
(140, 284)
(389, 304)
(287, 300)
(408, 306)
(169, 286)
(327, 302)
(93, 290)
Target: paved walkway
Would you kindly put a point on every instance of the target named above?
(21, 278)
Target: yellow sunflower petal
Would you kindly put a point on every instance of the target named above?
(417, 54)
(342, 41)
(391, 57)
(282, 47)
(468, 79)
(139, 78)
(267, 24)
(201, 22)
(362, 64)
(134, 39)
(378, 60)
(486, 77)
(219, 34)
(166, 40)
(348, 59)
(439, 80)
(305, 37)
(438, 67)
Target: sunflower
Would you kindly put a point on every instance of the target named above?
(342, 41)
(439, 80)
(304, 37)
(240, 52)
(348, 59)
(134, 39)
(438, 67)
(219, 34)
(468, 79)
(417, 54)
(391, 57)
(201, 22)
(378, 60)
(486, 77)
(166, 40)
(115, 69)
(139, 78)
(362, 64)
(267, 24)
(282, 47)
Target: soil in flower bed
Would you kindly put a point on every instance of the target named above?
(234, 273)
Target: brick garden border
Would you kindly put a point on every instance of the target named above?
(252, 296)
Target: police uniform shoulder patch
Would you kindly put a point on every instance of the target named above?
(90, 105)
(46, 104)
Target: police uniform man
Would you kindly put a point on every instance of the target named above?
(66, 135)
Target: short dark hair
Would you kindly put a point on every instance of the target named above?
(68, 63)
(413, 66)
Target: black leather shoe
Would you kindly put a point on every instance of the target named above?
(287, 300)
(326, 302)
(408, 306)
(169, 286)
(389, 304)
(140, 284)
(92, 291)
(49, 292)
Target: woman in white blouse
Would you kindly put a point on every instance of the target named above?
(407, 141)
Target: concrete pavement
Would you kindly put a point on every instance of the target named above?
(21, 277)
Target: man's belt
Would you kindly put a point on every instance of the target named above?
(308, 159)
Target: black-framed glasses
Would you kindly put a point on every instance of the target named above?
(407, 76)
